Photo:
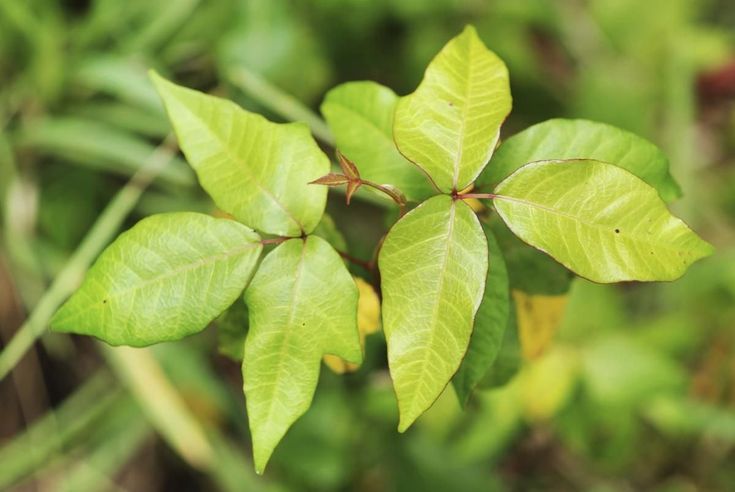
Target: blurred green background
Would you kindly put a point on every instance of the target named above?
(637, 391)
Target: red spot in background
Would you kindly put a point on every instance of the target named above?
(718, 83)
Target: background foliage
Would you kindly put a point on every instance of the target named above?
(637, 390)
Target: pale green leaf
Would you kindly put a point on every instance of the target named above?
(164, 279)
(433, 265)
(450, 125)
(490, 323)
(360, 115)
(598, 220)
(302, 304)
(559, 139)
(254, 169)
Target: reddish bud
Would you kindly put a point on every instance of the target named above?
(331, 179)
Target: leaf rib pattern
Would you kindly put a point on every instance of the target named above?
(561, 139)
(598, 220)
(254, 169)
(154, 283)
(490, 323)
(450, 125)
(360, 115)
(302, 304)
(433, 265)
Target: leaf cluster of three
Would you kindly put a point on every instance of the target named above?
(597, 209)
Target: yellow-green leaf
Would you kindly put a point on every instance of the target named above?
(450, 125)
(433, 265)
(360, 115)
(165, 278)
(254, 169)
(598, 220)
(559, 139)
(302, 304)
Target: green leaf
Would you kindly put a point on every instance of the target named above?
(559, 139)
(256, 170)
(450, 125)
(490, 323)
(327, 230)
(232, 328)
(360, 115)
(302, 304)
(529, 269)
(165, 278)
(433, 265)
(508, 361)
(598, 220)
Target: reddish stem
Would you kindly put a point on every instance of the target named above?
(273, 240)
(481, 196)
(357, 261)
(397, 198)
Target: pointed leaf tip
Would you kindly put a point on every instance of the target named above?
(450, 124)
(433, 265)
(598, 220)
(302, 304)
(267, 185)
(179, 254)
(331, 179)
(348, 166)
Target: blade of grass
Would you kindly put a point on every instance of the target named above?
(279, 102)
(95, 145)
(115, 443)
(57, 430)
(139, 370)
(71, 275)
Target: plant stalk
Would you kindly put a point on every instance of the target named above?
(69, 278)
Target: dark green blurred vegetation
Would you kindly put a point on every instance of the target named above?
(636, 393)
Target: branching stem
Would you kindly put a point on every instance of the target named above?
(396, 197)
(69, 278)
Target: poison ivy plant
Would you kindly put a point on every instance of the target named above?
(565, 195)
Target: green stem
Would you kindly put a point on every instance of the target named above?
(71, 275)
(280, 102)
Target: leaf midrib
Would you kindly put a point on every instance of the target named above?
(439, 290)
(161, 278)
(462, 123)
(606, 229)
(243, 165)
(287, 336)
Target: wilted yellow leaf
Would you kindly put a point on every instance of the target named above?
(546, 384)
(368, 322)
(539, 317)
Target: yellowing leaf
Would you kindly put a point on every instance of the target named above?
(539, 317)
(368, 322)
(546, 384)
